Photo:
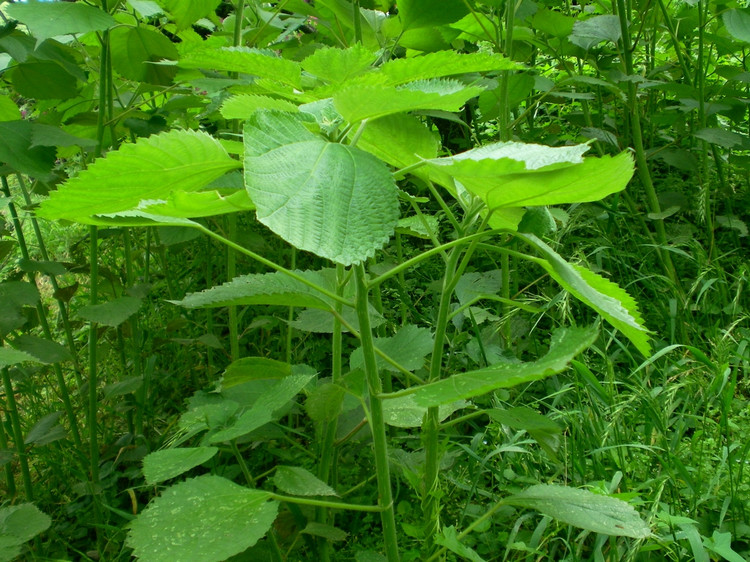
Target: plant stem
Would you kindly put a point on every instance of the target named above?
(15, 423)
(377, 422)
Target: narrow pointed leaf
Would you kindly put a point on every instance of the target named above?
(208, 518)
(149, 169)
(584, 509)
(334, 200)
(267, 288)
(169, 463)
(614, 304)
(565, 344)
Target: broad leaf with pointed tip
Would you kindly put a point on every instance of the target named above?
(441, 64)
(45, 20)
(330, 199)
(245, 61)
(169, 463)
(584, 509)
(208, 518)
(297, 481)
(565, 344)
(149, 169)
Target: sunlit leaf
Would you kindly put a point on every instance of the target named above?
(245, 61)
(208, 518)
(339, 65)
(334, 200)
(149, 169)
(135, 49)
(185, 14)
(442, 64)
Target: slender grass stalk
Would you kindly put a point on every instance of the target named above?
(15, 424)
(377, 422)
(10, 479)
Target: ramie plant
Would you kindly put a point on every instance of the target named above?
(167, 117)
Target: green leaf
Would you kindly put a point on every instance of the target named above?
(19, 524)
(183, 204)
(737, 22)
(513, 174)
(414, 226)
(325, 402)
(592, 31)
(405, 412)
(9, 111)
(185, 14)
(44, 350)
(44, 80)
(425, 13)
(727, 139)
(134, 49)
(553, 22)
(583, 509)
(245, 61)
(442, 64)
(721, 544)
(264, 409)
(400, 140)
(297, 481)
(10, 356)
(339, 65)
(46, 430)
(18, 152)
(438, 93)
(327, 532)
(336, 201)
(408, 347)
(169, 463)
(449, 539)
(542, 429)
(267, 288)
(614, 304)
(208, 518)
(244, 105)
(47, 135)
(49, 19)
(112, 313)
(565, 344)
(148, 170)
(252, 369)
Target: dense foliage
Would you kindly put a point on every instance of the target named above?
(370, 280)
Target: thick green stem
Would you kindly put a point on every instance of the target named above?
(377, 422)
(10, 479)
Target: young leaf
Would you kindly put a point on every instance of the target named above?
(449, 539)
(584, 509)
(614, 304)
(565, 344)
(169, 463)
(45, 20)
(182, 204)
(208, 518)
(334, 200)
(438, 93)
(149, 169)
(297, 481)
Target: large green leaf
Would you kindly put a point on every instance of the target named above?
(584, 509)
(438, 93)
(565, 344)
(595, 30)
(208, 518)
(339, 65)
(408, 347)
(43, 80)
(10, 356)
(135, 49)
(400, 140)
(614, 304)
(48, 19)
(244, 61)
(513, 174)
(264, 288)
(147, 172)
(168, 463)
(336, 201)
